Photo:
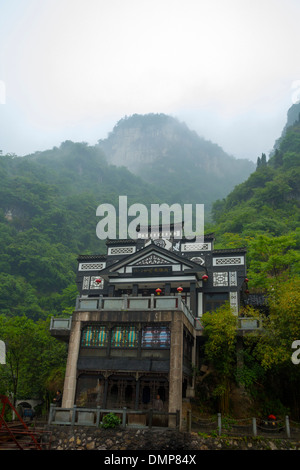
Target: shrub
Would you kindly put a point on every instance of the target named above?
(110, 421)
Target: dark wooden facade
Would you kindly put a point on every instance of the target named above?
(133, 344)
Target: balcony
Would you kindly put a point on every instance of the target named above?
(60, 327)
(128, 303)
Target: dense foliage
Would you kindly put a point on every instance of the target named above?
(263, 214)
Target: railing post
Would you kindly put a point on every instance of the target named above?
(254, 428)
(219, 424)
(189, 420)
(287, 427)
(152, 302)
(98, 416)
(150, 418)
(179, 301)
(124, 417)
(125, 302)
(51, 413)
(73, 415)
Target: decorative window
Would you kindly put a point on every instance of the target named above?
(90, 282)
(156, 337)
(220, 279)
(233, 278)
(91, 266)
(121, 250)
(198, 259)
(86, 283)
(196, 247)
(124, 337)
(227, 261)
(94, 336)
(96, 285)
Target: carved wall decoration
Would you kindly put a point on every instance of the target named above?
(228, 261)
(121, 250)
(234, 301)
(91, 266)
(198, 259)
(152, 259)
(220, 279)
(233, 278)
(89, 282)
(86, 283)
(196, 247)
(96, 285)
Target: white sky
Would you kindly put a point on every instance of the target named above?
(70, 69)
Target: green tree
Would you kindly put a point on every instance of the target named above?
(18, 298)
(272, 348)
(220, 350)
(31, 357)
(272, 258)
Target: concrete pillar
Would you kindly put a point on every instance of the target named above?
(71, 369)
(176, 355)
(190, 393)
(193, 300)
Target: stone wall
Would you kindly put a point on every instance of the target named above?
(84, 438)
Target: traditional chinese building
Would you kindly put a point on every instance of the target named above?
(136, 330)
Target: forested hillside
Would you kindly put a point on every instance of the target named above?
(48, 204)
(269, 200)
(263, 213)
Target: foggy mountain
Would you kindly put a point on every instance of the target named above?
(165, 152)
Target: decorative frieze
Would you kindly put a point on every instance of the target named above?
(228, 261)
(196, 247)
(91, 266)
(152, 259)
(121, 250)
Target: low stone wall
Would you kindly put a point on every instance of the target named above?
(84, 438)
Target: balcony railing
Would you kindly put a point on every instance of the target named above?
(135, 303)
(128, 303)
(93, 417)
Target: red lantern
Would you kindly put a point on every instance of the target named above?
(98, 281)
(158, 291)
(179, 290)
(246, 280)
(204, 277)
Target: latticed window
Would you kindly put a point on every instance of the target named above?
(156, 337)
(94, 335)
(124, 337)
